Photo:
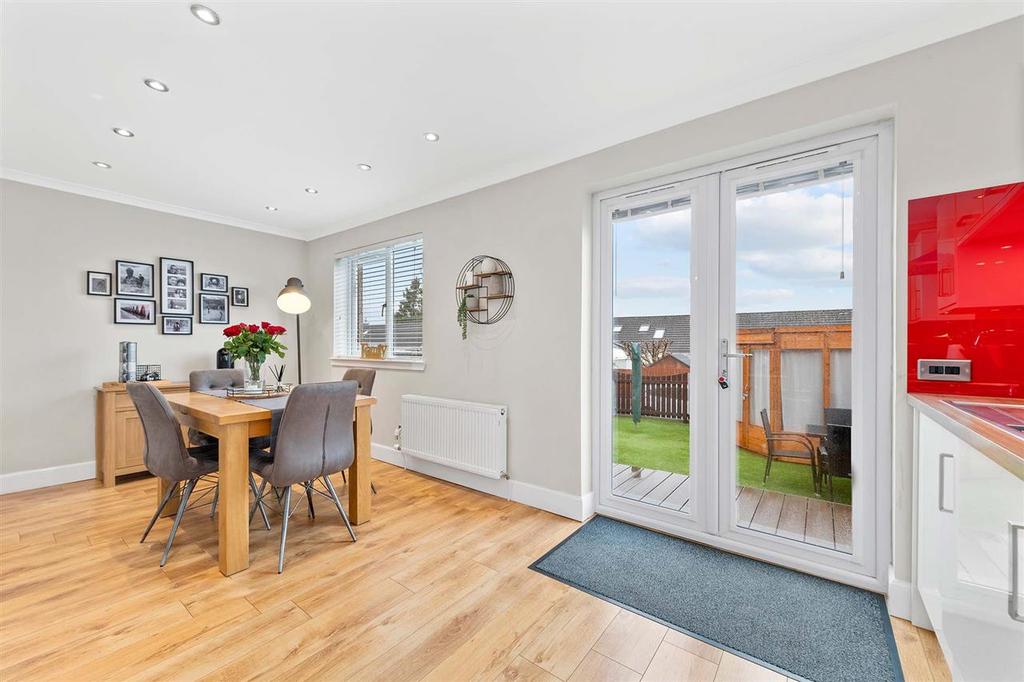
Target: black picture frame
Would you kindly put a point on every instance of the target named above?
(205, 310)
(139, 303)
(177, 286)
(213, 285)
(132, 283)
(89, 281)
(244, 291)
(179, 319)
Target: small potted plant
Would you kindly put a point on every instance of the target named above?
(253, 343)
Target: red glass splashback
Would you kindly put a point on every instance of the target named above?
(966, 289)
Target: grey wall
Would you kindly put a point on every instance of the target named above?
(957, 106)
(57, 343)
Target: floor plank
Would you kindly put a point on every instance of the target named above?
(766, 516)
(842, 516)
(819, 529)
(649, 483)
(673, 664)
(679, 497)
(746, 505)
(631, 640)
(598, 668)
(664, 489)
(793, 519)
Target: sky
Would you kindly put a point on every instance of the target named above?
(789, 254)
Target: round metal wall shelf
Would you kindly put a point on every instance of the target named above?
(490, 287)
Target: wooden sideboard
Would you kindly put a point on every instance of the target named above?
(120, 439)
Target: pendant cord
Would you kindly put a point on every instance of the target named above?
(842, 233)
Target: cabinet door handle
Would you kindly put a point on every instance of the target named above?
(1014, 604)
(942, 481)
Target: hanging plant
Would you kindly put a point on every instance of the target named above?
(463, 316)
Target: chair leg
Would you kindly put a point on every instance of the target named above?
(309, 499)
(341, 509)
(159, 510)
(767, 467)
(343, 476)
(286, 512)
(216, 498)
(189, 487)
(258, 494)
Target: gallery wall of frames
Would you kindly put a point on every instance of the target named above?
(170, 289)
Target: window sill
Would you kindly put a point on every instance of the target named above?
(366, 363)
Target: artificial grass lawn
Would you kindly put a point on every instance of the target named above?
(664, 444)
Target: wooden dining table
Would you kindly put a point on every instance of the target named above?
(233, 423)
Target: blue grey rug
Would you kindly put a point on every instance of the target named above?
(802, 626)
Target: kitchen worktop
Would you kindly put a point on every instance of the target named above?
(997, 443)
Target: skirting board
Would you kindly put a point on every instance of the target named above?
(570, 506)
(42, 478)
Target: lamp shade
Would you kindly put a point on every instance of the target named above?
(293, 298)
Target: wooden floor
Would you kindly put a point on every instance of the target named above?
(806, 519)
(437, 587)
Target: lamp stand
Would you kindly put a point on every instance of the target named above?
(298, 345)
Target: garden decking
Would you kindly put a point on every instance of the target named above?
(806, 519)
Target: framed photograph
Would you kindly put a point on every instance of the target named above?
(134, 279)
(98, 283)
(213, 309)
(134, 311)
(177, 326)
(217, 283)
(240, 297)
(177, 277)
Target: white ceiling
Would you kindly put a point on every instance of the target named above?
(282, 96)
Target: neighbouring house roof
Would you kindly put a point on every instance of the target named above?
(677, 327)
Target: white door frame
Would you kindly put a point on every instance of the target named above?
(704, 526)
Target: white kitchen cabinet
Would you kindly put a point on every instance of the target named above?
(968, 511)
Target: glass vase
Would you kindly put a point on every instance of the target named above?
(253, 380)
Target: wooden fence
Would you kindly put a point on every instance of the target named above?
(667, 397)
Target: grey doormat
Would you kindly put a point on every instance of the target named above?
(800, 625)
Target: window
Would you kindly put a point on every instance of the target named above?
(618, 328)
(659, 333)
(378, 302)
(644, 327)
(801, 389)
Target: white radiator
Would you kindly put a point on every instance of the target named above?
(462, 435)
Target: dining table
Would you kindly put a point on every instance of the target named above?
(233, 422)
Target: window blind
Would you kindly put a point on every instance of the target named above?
(378, 302)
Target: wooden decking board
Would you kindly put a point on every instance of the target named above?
(746, 504)
(820, 529)
(620, 476)
(648, 484)
(664, 489)
(680, 497)
(769, 509)
(804, 519)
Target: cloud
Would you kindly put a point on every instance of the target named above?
(802, 264)
(766, 299)
(797, 219)
(653, 286)
(667, 231)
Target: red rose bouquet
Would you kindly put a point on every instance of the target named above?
(253, 343)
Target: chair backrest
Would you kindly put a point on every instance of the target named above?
(839, 416)
(315, 435)
(215, 379)
(363, 377)
(838, 422)
(767, 430)
(165, 454)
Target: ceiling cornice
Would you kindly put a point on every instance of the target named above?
(140, 202)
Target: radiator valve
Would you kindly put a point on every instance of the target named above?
(398, 437)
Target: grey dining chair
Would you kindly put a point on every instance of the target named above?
(166, 456)
(218, 380)
(313, 441)
(365, 379)
(836, 453)
(806, 449)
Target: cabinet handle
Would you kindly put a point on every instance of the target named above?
(1014, 607)
(942, 480)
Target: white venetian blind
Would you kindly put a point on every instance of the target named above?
(378, 301)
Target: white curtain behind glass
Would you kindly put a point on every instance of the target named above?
(801, 389)
(840, 378)
(760, 385)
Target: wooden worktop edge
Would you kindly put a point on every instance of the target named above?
(990, 440)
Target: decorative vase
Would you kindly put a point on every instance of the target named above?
(488, 265)
(253, 380)
(472, 302)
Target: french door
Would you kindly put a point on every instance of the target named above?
(741, 354)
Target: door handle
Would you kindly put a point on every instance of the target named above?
(1014, 603)
(942, 481)
(723, 362)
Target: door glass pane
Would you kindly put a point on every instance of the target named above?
(794, 314)
(651, 364)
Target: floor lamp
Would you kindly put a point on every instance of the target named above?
(293, 299)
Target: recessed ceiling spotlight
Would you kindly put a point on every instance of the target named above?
(364, 167)
(205, 14)
(431, 137)
(312, 190)
(123, 132)
(270, 208)
(101, 164)
(156, 85)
